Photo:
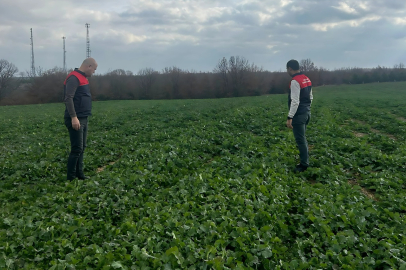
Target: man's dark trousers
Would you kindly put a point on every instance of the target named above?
(78, 145)
(299, 123)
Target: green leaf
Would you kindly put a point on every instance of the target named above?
(266, 253)
(172, 250)
(311, 217)
(117, 265)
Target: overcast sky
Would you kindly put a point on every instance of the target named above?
(195, 34)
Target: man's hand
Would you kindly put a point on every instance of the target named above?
(289, 123)
(75, 123)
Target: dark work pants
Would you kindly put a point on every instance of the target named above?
(299, 123)
(78, 145)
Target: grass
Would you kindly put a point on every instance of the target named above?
(208, 184)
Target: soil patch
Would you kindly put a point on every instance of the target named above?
(365, 191)
(99, 170)
(359, 134)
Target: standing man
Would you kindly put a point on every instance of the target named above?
(78, 102)
(300, 101)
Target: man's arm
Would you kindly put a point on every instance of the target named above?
(311, 96)
(72, 84)
(295, 96)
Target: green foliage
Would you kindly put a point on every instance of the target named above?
(207, 184)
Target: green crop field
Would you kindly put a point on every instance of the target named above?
(208, 184)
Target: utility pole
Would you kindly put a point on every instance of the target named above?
(64, 54)
(32, 56)
(88, 51)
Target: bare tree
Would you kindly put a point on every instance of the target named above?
(222, 69)
(238, 68)
(118, 72)
(7, 72)
(118, 82)
(399, 66)
(174, 73)
(238, 77)
(257, 81)
(39, 71)
(146, 78)
(255, 68)
(321, 76)
(45, 86)
(307, 65)
(190, 84)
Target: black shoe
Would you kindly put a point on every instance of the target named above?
(300, 168)
(82, 177)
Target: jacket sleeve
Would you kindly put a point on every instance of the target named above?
(311, 96)
(72, 84)
(295, 96)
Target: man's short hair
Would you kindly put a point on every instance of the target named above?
(293, 64)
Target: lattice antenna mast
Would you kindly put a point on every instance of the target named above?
(88, 51)
(64, 54)
(32, 56)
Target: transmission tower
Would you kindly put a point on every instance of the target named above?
(64, 54)
(88, 51)
(32, 56)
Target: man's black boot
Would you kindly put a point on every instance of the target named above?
(72, 161)
(300, 168)
(79, 168)
(83, 177)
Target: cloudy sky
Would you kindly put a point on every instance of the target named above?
(195, 34)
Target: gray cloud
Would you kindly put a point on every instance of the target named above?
(133, 34)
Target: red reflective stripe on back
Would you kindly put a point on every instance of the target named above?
(82, 79)
(303, 81)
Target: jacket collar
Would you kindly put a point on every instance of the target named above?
(297, 74)
(78, 71)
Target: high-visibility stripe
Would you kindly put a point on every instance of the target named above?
(303, 80)
(82, 79)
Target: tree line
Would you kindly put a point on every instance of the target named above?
(232, 77)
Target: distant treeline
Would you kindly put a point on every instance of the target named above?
(233, 77)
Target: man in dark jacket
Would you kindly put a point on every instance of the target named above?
(300, 101)
(78, 103)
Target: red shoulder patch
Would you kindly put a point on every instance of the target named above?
(303, 81)
(82, 79)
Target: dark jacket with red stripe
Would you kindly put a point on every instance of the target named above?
(305, 93)
(82, 99)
